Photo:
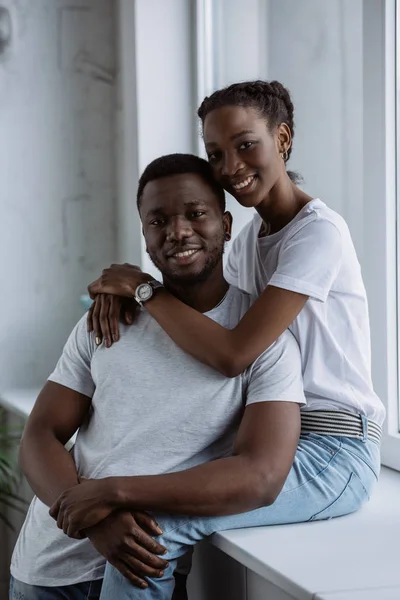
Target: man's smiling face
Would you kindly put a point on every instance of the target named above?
(183, 226)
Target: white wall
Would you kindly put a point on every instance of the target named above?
(162, 117)
(57, 194)
(315, 49)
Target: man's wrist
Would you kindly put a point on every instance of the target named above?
(115, 493)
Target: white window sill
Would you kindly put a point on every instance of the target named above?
(354, 557)
(351, 558)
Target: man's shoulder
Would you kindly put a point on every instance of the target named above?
(284, 352)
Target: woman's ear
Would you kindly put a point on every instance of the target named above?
(284, 138)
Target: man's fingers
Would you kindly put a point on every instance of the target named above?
(96, 320)
(104, 324)
(148, 543)
(125, 571)
(53, 511)
(148, 522)
(141, 568)
(149, 559)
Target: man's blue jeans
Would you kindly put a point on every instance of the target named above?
(330, 477)
(88, 590)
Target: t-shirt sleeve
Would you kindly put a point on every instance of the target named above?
(276, 374)
(73, 369)
(310, 260)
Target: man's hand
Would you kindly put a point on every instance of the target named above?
(82, 506)
(124, 541)
(104, 316)
(119, 280)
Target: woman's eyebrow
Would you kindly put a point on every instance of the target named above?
(232, 137)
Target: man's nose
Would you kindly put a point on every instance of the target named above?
(179, 228)
(231, 164)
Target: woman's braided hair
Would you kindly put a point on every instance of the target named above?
(270, 98)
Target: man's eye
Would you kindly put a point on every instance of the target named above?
(156, 222)
(214, 157)
(245, 145)
(197, 213)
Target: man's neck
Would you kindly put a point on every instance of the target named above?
(202, 296)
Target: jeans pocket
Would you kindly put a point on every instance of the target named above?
(329, 443)
(349, 500)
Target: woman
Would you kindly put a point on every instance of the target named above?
(297, 256)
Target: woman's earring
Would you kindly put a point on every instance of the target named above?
(227, 237)
(285, 155)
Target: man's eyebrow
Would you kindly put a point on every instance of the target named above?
(194, 202)
(154, 211)
(159, 210)
(232, 137)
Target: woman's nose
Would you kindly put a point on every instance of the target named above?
(230, 165)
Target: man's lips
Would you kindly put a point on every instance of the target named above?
(184, 251)
(184, 256)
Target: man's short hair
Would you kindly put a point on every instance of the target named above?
(179, 164)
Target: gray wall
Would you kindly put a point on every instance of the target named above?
(57, 197)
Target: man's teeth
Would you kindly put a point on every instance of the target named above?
(244, 183)
(186, 253)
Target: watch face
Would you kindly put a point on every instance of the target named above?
(144, 292)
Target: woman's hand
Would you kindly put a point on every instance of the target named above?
(119, 280)
(104, 316)
(113, 294)
(83, 506)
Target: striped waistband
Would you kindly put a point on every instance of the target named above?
(331, 422)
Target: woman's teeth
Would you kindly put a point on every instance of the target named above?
(244, 183)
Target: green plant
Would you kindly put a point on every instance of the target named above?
(10, 476)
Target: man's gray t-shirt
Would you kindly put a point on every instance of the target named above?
(155, 409)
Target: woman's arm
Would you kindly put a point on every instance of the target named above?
(229, 351)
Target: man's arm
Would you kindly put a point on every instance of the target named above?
(47, 465)
(253, 477)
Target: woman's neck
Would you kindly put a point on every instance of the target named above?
(282, 204)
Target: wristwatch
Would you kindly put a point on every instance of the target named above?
(145, 291)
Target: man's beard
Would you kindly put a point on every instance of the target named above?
(214, 258)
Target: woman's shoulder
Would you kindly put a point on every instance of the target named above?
(321, 212)
(317, 220)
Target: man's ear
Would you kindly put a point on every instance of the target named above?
(227, 219)
(143, 236)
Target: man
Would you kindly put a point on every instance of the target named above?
(150, 415)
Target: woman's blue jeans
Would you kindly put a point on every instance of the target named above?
(330, 477)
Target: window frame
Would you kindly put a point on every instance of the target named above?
(382, 203)
(379, 233)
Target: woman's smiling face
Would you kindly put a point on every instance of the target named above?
(243, 152)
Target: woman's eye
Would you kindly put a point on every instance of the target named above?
(245, 145)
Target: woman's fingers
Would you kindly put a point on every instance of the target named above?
(104, 323)
(96, 306)
(89, 319)
(113, 317)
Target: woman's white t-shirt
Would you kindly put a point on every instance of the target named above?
(314, 255)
